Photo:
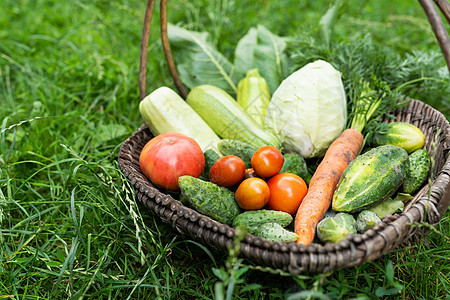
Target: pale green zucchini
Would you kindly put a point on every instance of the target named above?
(253, 95)
(227, 118)
(165, 111)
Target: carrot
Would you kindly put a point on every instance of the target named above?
(323, 183)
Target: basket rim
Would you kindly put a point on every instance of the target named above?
(219, 235)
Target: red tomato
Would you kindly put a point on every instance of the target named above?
(227, 171)
(169, 156)
(267, 161)
(252, 193)
(286, 192)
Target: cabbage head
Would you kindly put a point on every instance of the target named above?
(308, 111)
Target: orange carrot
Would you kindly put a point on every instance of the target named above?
(323, 183)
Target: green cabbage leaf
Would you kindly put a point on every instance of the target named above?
(308, 111)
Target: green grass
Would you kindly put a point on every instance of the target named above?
(71, 228)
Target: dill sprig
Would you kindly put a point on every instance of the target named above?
(369, 97)
(376, 79)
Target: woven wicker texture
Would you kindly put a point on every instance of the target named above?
(393, 232)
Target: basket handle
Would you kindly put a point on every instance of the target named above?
(438, 26)
(166, 47)
(428, 6)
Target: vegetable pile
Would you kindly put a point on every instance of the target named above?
(290, 156)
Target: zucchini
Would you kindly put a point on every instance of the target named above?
(419, 166)
(401, 134)
(252, 219)
(371, 178)
(335, 229)
(209, 199)
(237, 148)
(227, 118)
(296, 164)
(276, 233)
(165, 111)
(253, 95)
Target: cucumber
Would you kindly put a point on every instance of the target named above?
(296, 164)
(371, 178)
(240, 149)
(276, 233)
(227, 118)
(165, 111)
(211, 156)
(252, 219)
(401, 134)
(209, 199)
(419, 166)
(335, 229)
(365, 220)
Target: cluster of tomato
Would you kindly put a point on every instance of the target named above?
(262, 184)
(170, 155)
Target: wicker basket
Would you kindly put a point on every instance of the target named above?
(393, 232)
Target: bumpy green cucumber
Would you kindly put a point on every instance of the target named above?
(227, 118)
(401, 134)
(296, 164)
(209, 199)
(240, 149)
(252, 219)
(419, 166)
(365, 220)
(211, 156)
(276, 233)
(335, 229)
(371, 178)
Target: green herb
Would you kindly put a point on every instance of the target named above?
(375, 78)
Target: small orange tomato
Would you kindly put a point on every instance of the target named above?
(252, 193)
(227, 171)
(286, 192)
(267, 161)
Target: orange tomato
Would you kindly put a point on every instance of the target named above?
(252, 193)
(286, 192)
(267, 161)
